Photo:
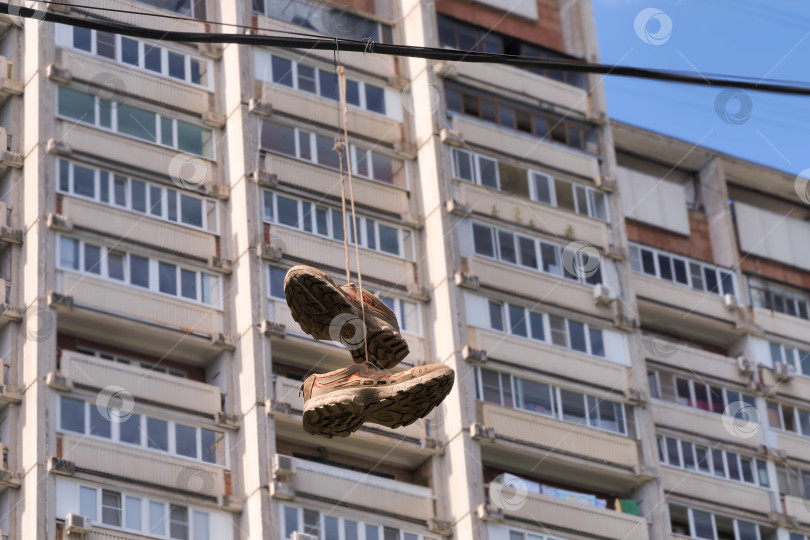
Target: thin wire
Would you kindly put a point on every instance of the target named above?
(431, 53)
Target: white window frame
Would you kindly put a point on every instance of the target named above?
(361, 524)
(713, 515)
(98, 178)
(96, 124)
(635, 255)
(154, 278)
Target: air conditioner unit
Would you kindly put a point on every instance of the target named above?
(283, 466)
(745, 365)
(730, 301)
(303, 536)
(603, 295)
(76, 523)
(783, 371)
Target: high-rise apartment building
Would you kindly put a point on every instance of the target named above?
(626, 313)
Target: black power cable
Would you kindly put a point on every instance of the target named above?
(431, 53)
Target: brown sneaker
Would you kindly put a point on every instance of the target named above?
(326, 311)
(338, 403)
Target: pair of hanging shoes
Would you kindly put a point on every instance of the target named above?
(339, 402)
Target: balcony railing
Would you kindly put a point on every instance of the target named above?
(326, 482)
(142, 383)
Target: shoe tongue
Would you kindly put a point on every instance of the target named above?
(372, 301)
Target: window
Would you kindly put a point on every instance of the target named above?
(567, 405)
(671, 267)
(275, 276)
(694, 523)
(297, 143)
(127, 511)
(332, 21)
(407, 313)
(330, 526)
(789, 418)
(143, 431)
(696, 393)
(530, 184)
(135, 122)
(717, 462)
(316, 80)
(798, 360)
(778, 298)
(371, 233)
(501, 245)
(150, 274)
(489, 107)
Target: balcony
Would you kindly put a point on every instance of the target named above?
(8, 85)
(523, 146)
(8, 158)
(556, 513)
(682, 356)
(130, 152)
(798, 508)
(139, 229)
(690, 420)
(780, 324)
(500, 78)
(552, 289)
(341, 486)
(373, 194)
(159, 23)
(407, 446)
(704, 487)
(565, 449)
(794, 444)
(375, 64)
(153, 323)
(137, 82)
(103, 458)
(375, 127)
(562, 362)
(701, 314)
(143, 384)
(324, 252)
(546, 218)
(9, 311)
(8, 479)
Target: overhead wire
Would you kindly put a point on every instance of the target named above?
(431, 53)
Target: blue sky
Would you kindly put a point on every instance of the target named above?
(749, 38)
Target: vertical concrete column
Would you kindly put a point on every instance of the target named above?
(714, 194)
(35, 354)
(254, 443)
(460, 465)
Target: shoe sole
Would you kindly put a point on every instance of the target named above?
(315, 301)
(341, 413)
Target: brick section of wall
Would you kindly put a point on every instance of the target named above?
(547, 30)
(697, 245)
(777, 271)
